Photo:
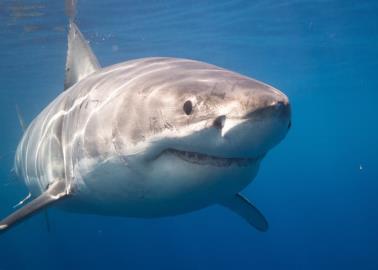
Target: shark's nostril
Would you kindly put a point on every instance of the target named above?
(289, 125)
(219, 121)
(279, 105)
(283, 109)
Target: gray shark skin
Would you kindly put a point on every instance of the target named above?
(149, 138)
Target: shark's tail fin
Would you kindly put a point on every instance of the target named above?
(20, 119)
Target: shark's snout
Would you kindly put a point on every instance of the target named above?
(276, 109)
(261, 121)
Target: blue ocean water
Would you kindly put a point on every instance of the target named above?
(318, 188)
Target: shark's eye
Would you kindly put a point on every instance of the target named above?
(188, 107)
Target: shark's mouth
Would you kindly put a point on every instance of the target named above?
(204, 159)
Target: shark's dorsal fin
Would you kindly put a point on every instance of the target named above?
(80, 59)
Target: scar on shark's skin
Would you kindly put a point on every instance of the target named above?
(148, 138)
(220, 95)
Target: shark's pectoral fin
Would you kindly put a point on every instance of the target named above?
(244, 208)
(55, 192)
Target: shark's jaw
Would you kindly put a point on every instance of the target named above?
(203, 159)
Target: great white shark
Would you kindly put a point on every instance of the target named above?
(148, 138)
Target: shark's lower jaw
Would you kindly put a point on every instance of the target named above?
(208, 160)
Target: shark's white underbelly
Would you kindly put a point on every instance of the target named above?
(115, 189)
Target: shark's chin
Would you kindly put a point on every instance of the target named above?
(210, 160)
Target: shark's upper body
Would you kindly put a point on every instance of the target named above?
(149, 137)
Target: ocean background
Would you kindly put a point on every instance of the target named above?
(318, 188)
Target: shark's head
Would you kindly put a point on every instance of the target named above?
(198, 123)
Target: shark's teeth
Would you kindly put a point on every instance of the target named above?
(203, 159)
